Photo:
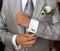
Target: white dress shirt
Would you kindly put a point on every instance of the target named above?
(32, 26)
(24, 3)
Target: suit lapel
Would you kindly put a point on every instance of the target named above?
(38, 7)
(20, 5)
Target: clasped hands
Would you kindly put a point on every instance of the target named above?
(25, 40)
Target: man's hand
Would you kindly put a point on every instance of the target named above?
(22, 19)
(26, 40)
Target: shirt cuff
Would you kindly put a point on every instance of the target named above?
(14, 42)
(33, 26)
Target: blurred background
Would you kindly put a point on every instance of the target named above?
(2, 46)
(0, 4)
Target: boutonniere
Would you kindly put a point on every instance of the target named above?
(47, 10)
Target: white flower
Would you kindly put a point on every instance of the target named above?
(47, 10)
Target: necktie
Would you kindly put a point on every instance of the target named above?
(29, 8)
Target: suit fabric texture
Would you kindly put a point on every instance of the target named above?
(48, 28)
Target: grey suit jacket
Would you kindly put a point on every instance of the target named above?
(48, 28)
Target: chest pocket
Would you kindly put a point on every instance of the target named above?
(47, 18)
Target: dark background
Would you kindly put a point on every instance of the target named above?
(0, 4)
(2, 46)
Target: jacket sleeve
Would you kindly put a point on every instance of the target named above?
(50, 31)
(5, 34)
